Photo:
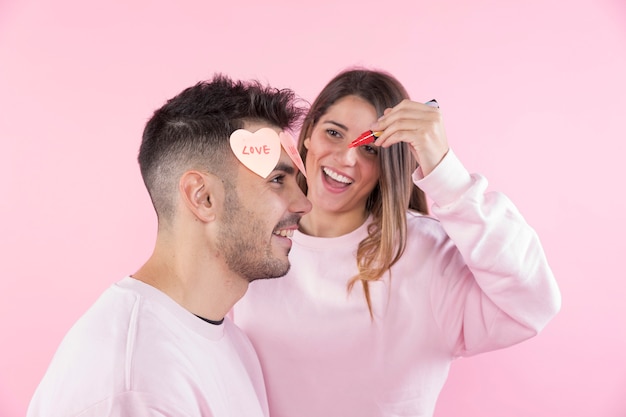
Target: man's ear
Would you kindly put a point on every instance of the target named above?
(199, 193)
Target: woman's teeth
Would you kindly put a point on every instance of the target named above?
(337, 177)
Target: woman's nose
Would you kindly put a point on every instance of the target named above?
(348, 156)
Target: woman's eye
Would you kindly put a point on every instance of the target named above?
(370, 149)
(333, 133)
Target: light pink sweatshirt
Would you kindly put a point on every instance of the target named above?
(137, 353)
(475, 280)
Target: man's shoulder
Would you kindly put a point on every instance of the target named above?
(89, 362)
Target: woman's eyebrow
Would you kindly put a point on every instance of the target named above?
(336, 124)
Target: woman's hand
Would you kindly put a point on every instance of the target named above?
(421, 126)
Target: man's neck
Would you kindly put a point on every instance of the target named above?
(206, 290)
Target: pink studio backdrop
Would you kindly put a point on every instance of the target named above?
(534, 97)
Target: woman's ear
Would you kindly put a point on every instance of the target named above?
(197, 191)
(307, 142)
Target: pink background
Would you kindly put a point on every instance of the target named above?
(534, 97)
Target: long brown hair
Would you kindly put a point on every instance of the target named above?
(395, 191)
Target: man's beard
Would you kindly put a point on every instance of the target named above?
(243, 243)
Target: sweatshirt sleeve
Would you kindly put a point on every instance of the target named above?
(493, 286)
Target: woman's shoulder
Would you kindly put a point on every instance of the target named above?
(424, 225)
(416, 218)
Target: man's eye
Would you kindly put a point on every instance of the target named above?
(279, 179)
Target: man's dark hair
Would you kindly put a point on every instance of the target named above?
(192, 131)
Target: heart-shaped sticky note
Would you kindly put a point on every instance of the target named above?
(258, 151)
(289, 144)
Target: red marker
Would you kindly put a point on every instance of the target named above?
(370, 136)
(366, 138)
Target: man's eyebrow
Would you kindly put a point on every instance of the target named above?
(286, 168)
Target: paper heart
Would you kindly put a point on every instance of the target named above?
(258, 151)
(289, 144)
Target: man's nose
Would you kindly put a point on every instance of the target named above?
(300, 203)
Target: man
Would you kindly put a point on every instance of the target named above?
(157, 343)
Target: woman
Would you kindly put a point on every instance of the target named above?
(380, 297)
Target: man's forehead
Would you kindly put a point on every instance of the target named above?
(285, 161)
